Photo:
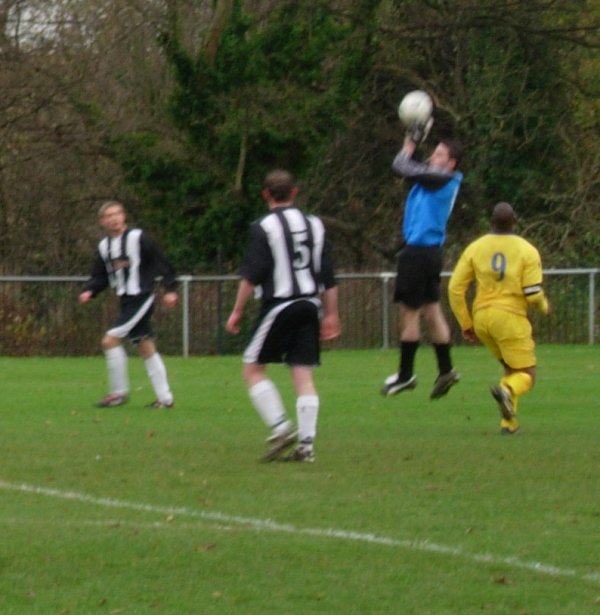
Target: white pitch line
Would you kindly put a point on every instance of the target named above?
(273, 526)
(116, 524)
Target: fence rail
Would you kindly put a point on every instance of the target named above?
(39, 315)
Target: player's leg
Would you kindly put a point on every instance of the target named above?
(307, 413)
(518, 356)
(157, 373)
(429, 272)
(408, 293)
(302, 356)
(267, 401)
(405, 379)
(517, 383)
(265, 397)
(268, 345)
(440, 336)
(513, 335)
(116, 367)
(132, 311)
(140, 332)
(410, 319)
(484, 324)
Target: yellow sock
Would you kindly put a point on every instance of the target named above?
(517, 383)
(512, 425)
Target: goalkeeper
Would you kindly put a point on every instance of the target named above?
(507, 273)
(428, 206)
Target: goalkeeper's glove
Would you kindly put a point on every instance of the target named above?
(419, 130)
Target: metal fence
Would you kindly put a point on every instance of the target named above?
(39, 315)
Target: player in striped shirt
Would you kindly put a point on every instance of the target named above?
(287, 266)
(129, 261)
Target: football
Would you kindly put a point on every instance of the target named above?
(415, 108)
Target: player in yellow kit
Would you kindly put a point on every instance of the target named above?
(507, 272)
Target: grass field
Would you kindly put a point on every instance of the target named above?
(412, 507)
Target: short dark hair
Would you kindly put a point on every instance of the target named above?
(455, 149)
(279, 184)
(503, 217)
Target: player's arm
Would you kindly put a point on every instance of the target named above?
(331, 326)
(161, 265)
(532, 283)
(253, 271)
(258, 259)
(405, 166)
(244, 293)
(330, 323)
(537, 298)
(97, 281)
(460, 280)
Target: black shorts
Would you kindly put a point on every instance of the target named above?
(418, 279)
(133, 321)
(287, 333)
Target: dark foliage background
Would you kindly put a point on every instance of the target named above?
(179, 108)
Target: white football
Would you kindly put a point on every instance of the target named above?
(415, 107)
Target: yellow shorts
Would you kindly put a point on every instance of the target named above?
(508, 336)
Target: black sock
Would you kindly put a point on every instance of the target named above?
(408, 350)
(442, 353)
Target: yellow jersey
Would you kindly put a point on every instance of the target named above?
(507, 271)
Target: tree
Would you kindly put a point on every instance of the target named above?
(44, 147)
(179, 107)
(502, 76)
(263, 93)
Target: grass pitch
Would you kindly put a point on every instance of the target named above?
(412, 507)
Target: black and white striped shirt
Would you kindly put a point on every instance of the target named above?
(130, 263)
(288, 256)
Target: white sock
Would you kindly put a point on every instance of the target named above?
(307, 410)
(116, 364)
(157, 372)
(267, 401)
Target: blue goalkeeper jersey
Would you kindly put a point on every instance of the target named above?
(429, 202)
